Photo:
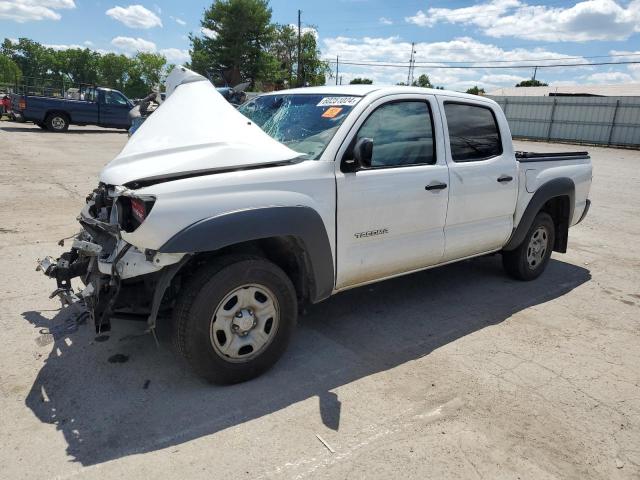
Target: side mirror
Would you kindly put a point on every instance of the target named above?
(363, 152)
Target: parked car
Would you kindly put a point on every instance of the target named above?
(226, 224)
(100, 106)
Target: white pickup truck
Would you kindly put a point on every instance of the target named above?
(227, 221)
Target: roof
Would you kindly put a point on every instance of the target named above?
(621, 90)
(358, 90)
(362, 90)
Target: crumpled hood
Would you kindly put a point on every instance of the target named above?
(194, 130)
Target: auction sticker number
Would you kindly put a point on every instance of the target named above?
(338, 101)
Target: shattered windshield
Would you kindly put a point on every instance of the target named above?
(303, 122)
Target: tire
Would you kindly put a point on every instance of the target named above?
(57, 122)
(212, 318)
(530, 258)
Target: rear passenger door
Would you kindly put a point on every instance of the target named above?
(388, 221)
(483, 178)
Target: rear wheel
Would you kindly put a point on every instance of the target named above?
(57, 122)
(531, 257)
(235, 318)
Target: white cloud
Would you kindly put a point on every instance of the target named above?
(385, 21)
(207, 32)
(634, 70)
(502, 79)
(64, 47)
(133, 45)
(484, 13)
(175, 55)
(88, 43)
(584, 21)
(130, 46)
(305, 30)
(30, 10)
(179, 21)
(135, 16)
(609, 77)
(463, 49)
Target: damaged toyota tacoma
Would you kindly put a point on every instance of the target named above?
(227, 222)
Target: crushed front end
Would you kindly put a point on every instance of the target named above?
(119, 278)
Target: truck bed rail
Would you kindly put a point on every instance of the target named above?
(550, 157)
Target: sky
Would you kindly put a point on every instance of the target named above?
(477, 34)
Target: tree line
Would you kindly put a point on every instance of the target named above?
(30, 63)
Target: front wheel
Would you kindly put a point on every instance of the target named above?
(235, 318)
(530, 258)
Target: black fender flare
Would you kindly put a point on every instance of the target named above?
(557, 187)
(300, 222)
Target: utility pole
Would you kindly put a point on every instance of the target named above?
(337, 68)
(535, 71)
(411, 60)
(299, 75)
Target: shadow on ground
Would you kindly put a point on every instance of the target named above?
(108, 410)
(72, 130)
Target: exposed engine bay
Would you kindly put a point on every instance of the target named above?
(104, 262)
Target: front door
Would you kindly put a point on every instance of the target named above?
(114, 109)
(391, 216)
(484, 178)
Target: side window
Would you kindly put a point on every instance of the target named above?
(114, 98)
(402, 134)
(473, 132)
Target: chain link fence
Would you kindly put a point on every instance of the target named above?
(611, 121)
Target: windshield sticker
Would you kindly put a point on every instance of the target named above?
(331, 112)
(337, 101)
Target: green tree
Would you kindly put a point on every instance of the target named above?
(78, 65)
(242, 30)
(476, 91)
(281, 59)
(313, 71)
(361, 81)
(282, 56)
(145, 73)
(34, 60)
(532, 83)
(423, 81)
(9, 70)
(113, 70)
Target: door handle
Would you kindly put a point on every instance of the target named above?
(505, 178)
(436, 186)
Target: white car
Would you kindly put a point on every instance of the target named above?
(227, 221)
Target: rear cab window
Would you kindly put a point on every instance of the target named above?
(473, 132)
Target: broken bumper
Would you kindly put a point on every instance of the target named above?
(115, 273)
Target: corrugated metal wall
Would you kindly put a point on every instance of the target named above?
(599, 120)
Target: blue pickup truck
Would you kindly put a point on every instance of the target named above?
(92, 106)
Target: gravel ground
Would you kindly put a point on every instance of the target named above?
(456, 372)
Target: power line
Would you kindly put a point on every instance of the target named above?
(462, 67)
(544, 59)
(513, 61)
